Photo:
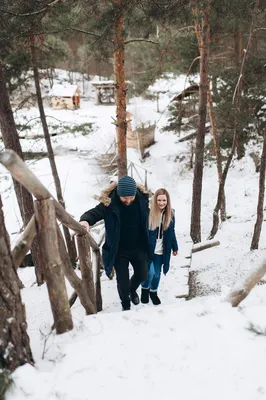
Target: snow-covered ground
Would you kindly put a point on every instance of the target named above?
(197, 349)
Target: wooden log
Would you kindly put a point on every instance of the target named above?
(78, 285)
(241, 292)
(96, 263)
(99, 300)
(86, 267)
(23, 175)
(53, 271)
(187, 137)
(22, 247)
(194, 134)
(206, 245)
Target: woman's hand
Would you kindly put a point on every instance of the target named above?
(175, 253)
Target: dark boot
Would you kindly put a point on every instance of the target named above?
(134, 297)
(126, 305)
(154, 298)
(145, 295)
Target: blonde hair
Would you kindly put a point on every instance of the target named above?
(155, 212)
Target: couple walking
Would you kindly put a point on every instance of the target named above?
(137, 235)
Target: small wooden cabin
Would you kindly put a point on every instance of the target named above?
(105, 91)
(65, 97)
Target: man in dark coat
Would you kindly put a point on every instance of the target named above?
(124, 209)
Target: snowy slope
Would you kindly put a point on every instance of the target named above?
(199, 349)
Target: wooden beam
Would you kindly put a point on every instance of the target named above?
(206, 245)
(53, 269)
(241, 292)
(23, 175)
(96, 264)
(24, 244)
(79, 286)
(86, 266)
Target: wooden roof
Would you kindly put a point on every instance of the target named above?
(186, 92)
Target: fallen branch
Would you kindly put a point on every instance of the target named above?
(239, 294)
(206, 245)
(194, 134)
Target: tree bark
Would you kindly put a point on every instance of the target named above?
(11, 141)
(120, 89)
(203, 35)
(258, 224)
(47, 232)
(50, 151)
(14, 341)
(217, 151)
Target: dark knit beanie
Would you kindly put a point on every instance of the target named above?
(126, 187)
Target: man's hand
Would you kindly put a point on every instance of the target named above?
(175, 253)
(86, 225)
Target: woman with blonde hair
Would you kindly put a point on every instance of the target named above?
(162, 241)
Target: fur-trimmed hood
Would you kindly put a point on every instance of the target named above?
(105, 196)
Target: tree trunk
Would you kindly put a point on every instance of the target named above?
(217, 151)
(238, 46)
(215, 223)
(51, 152)
(258, 224)
(11, 141)
(237, 102)
(203, 35)
(14, 341)
(120, 89)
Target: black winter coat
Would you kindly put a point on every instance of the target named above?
(108, 210)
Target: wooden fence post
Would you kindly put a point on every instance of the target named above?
(78, 284)
(96, 263)
(55, 280)
(86, 266)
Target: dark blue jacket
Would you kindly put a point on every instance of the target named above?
(169, 243)
(108, 210)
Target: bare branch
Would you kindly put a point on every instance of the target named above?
(259, 29)
(82, 31)
(53, 3)
(140, 40)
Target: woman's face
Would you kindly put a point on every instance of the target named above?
(161, 201)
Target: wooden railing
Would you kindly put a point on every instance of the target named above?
(44, 226)
(134, 167)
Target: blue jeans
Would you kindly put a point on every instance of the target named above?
(154, 274)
